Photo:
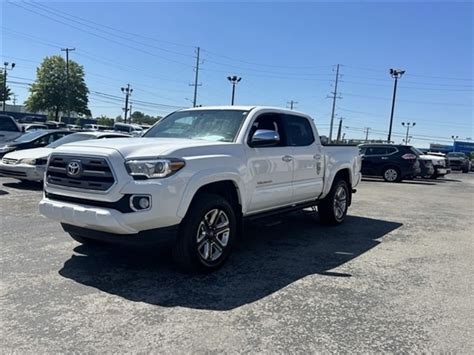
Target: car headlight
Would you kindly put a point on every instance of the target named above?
(154, 168)
(28, 161)
(6, 148)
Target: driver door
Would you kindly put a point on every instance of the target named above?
(270, 168)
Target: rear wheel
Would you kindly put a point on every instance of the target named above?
(206, 235)
(392, 174)
(333, 208)
(465, 170)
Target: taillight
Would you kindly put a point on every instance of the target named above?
(409, 156)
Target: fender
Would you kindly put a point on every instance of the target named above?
(208, 176)
(332, 171)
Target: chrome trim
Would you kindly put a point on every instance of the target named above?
(61, 187)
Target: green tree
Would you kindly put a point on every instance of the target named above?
(48, 92)
(105, 121)
(4, 94)
(142, 118)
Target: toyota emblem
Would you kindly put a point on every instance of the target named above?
(74, 168)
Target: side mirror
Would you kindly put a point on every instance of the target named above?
(264, 138)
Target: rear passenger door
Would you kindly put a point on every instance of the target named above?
(375, 158)
(307, 156)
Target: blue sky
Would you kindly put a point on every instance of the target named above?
(282, 51)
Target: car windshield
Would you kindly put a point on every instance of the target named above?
(75, 137)
(456, 155)
(28, 137)
(417, 151)
(212, 125)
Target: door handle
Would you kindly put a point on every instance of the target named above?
(317, 156)
(384, 158)
(287, 158)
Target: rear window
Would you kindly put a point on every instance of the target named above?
(299, 131)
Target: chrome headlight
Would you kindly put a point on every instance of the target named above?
(28, 161)
(154, 168)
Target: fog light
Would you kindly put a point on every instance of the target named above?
(140, 202)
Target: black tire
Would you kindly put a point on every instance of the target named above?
(193, 254)
(84, 240)
(392, 174)
(329, 209)
(465, 171)
(434, 176)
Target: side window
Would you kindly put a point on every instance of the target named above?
(6, 124)
(391, 150)
(270, 121)
(299, 131)
(376, 151)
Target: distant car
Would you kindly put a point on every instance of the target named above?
(459, 161)
(392, 162)
(438, 161)
(90, 127)
(9, 129)
(30, 164)
(34, 127)
(132, 129)
(33, 139)
(73, 127)
(55, 125)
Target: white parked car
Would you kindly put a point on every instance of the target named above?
(9, 129)
(196, 176)
(30, 164)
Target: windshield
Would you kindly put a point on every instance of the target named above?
(417, 151)
(75, 137)
(456, 155)
(212, 125)
(28, 137)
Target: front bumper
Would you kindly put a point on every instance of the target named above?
(23, 171)
(442, 171)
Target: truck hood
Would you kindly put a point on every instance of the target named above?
(131, 148)
(430, 157)
(35, 153)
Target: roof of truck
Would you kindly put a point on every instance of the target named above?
(242, 108)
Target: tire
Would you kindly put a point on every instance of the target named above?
(332, 209)
(392, 174)
(199, 246)
(434, 176)
(83, 240)
(465, 171)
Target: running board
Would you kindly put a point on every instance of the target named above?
(281, 210)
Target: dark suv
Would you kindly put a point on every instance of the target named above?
(459, 161)
(392, 162)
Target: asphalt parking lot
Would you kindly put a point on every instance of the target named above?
(396, 277)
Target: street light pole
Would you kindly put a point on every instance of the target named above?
(5, 68)
(396, 74)
(408, 125)
(68, 105)
(454, 141)
(234, 80)
(128, 91)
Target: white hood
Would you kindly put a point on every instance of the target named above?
(35, 153)
(430, 157)
(145, 147)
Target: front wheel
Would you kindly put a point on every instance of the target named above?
(333, 208)
(206, 235)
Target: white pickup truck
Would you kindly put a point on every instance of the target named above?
(196, 176)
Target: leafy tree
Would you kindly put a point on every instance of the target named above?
(118, 119)
(141, 118)
(48, 92)
(105, 121)
(4, 94)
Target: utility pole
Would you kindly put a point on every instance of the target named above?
(366, 130)
(454, 142)
(334, 97)
(127, 91)
(395, 74)
(14, 99)
(131, 113)
(339, 131)
(196, 77)
(292, 104)
(234, 80)
(408, 125)
(68, 108)
(5, 68)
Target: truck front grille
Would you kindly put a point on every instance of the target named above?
(89, 173)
